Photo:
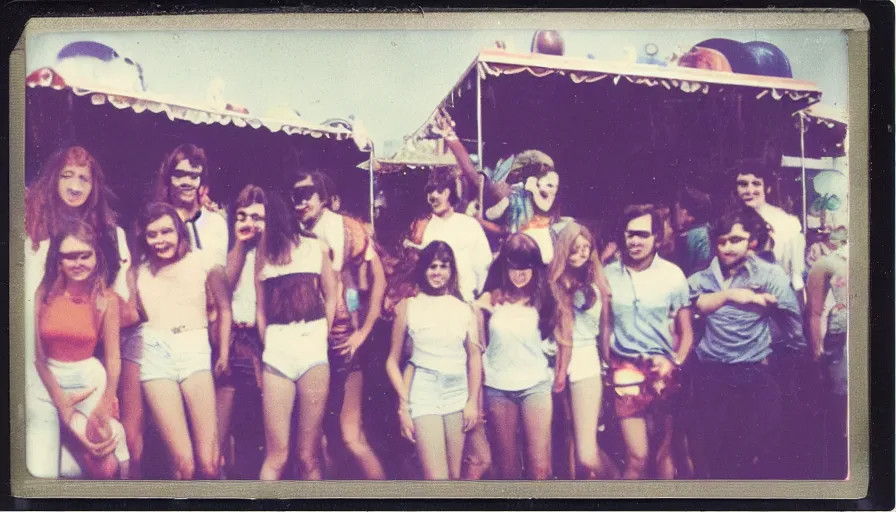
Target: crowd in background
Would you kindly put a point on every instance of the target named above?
(690, 341)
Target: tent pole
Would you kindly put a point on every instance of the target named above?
(479, 141)
(370, 175)
(803, 165)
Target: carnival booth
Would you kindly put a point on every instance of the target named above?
(131, 131)
(624, 132)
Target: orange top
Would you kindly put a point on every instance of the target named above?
(68, 329)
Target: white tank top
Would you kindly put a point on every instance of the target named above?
(437, 326)
(307, 258)
(514, 359)
(243, 302)
(586, 325)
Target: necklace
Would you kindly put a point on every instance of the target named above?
(80, 299)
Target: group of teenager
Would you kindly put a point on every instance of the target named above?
(508, 329)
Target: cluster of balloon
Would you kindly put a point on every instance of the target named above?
(751, 58)
(547, 42)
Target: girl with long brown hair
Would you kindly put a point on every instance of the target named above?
(74, 310)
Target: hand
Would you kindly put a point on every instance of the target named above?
(222, 366)
(107, 408)
(502, 189)
(559, 383)
(351, 345)
(471, 415)
(66, 409)
(817, 355)
(444, 126)
(744, 296)
(531, 185)
(407, 424)
(662, 366)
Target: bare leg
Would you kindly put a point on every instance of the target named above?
(224, 401)
(537, 416)
(353, 429)
(130, 393)
(454, 443)
(312, 389)
(429, 431)
(586, 402)
(164, 399)
(504, 421)
(634, 433)
(665, 462)
(199, 394)
(278, 400)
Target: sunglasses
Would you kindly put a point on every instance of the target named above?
(303, 194)
(517, 265)
(434, 188)
(242, 217)
(77, 255)
(178, 174)
(638, 234)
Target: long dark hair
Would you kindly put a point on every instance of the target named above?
(151, 213)
(190, 152)
(53, 281)
(281, 232)
(521, 251)
(436, 251)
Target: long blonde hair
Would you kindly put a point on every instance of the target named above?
(566, 281)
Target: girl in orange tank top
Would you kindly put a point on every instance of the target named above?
(73, 309)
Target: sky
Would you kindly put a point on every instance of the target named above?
(392, 80)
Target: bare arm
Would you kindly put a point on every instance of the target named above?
(217, 284)
(684, 326)
(111, 347)
(474, 358)
(236, 258)
(329, 287)
(260, 319)
(377, 293)
(393, 371)
(606, 327)
(129, 313)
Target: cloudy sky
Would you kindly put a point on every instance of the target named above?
(391, 80)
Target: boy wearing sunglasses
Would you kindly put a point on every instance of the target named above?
(652, 337)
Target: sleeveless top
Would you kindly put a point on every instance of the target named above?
(514, 359)
(586, 325)
(292, 292)
(437, 326)
(243, 302)
(68, 329)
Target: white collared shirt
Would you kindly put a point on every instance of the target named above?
(790, 243)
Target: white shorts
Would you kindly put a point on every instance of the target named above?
(174, 356)
(293, 349)
(44, 452)
(434, 393)
(585, 363)
(132, 343)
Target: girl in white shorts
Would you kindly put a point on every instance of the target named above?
(73, 310)
(296, 302)
(176, 366)
(439, 399)
(578, 281)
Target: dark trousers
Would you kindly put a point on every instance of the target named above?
(737, 411)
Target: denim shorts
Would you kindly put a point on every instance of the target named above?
(518, 397)
(437, 393)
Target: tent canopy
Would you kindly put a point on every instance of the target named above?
(621, 133)
(130, 142)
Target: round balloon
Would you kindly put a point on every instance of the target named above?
(547, 42)
(769, 59)
(740, 59)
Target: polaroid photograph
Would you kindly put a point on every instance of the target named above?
(494, 254)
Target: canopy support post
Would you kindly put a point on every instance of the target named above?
(479, 163)
(803, 166)
(370, 175)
